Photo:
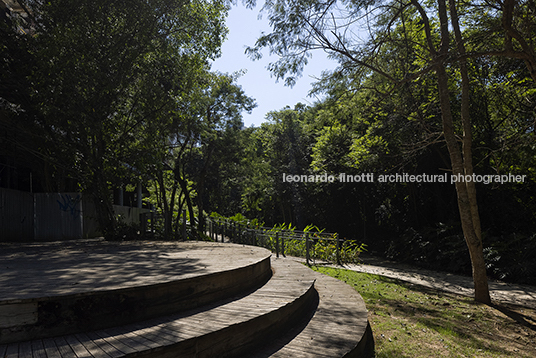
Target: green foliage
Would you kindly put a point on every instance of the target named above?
(510, 258)
(287, 240)
(410, 320)
(107, 82)
(383, 114)
(332, 148)
(111, 93)
(237, 218)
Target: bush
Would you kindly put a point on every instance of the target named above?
(511, 258)
(443, 248)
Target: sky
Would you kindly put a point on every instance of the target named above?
(244, 29)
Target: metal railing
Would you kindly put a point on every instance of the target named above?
(312, 245)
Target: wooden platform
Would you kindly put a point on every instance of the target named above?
(72, 267)
(297, 313)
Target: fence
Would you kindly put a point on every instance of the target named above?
(28, 216)
(16, 215)
(312, 245)
(39, 217)
(58, 216)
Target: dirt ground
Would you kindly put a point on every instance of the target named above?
(507, 293)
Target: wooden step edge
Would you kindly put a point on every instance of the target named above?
(54, 316)
(339, 327)
(243, 337)
(157, 338)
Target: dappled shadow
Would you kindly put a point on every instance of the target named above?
(523, 295)
(268, 347)
(178, 327)
(444, 318)
(102, 284)
(523, 319)
(49, 269)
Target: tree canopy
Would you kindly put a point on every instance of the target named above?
(390, 47)
(108, 80)
(110, 94)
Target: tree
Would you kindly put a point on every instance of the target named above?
(203, 142)
(218, 141)
(288, 153)
(298, 27)
(21, 140)
(108, 79)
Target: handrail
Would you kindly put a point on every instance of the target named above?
(313, 245)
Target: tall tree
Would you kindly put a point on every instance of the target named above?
(205, 137)
(337, 28)
(109, 76)
(218, 141)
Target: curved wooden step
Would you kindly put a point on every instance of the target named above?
(225, 330)
(338, 328)
(195, 274)
(298, 313)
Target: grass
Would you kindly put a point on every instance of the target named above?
(413, 321)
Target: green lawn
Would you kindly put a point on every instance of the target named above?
(413, 321)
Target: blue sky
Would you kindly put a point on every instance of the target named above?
(244, 28)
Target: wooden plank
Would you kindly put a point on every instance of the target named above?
(25, 349)
(244, 311)
(65, 349)
(92, 348)
(116, 342)
(183, 329)
(105, 346)
(78, 348)
(50, 348)
(128, 338)
(155, 334)
(12, 351)
(214, 322)
(38, 349)
(287, 352)
(135, 335)
(160, 336)
(174, 335)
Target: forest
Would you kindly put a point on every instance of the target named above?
(97, 95)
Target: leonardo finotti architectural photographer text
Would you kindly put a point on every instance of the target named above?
(404, 178)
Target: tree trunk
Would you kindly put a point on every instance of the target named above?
(103, 207)
(201, 188)
(466, 119)
(200, 212)
(474, 243)
(466, 205)
(172, 206)
(178, 218)
(184, 188)
(527, 52)
(165, 205)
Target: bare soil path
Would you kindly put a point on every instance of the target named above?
(521, 295)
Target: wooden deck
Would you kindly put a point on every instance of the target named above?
(76, 267)
(171, 278)
(297, 313)
(338, 328)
